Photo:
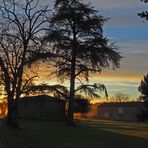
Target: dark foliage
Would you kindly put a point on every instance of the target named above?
(91, 91)
(143, 88)
(77, 38)
(144, 14)
(81, 105)
(58, 91)
(142, 116)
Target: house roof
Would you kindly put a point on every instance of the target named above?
(42, 97)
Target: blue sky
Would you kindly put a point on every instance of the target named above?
(130, 33)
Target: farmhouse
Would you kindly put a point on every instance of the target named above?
(127, 111)
(41, 107)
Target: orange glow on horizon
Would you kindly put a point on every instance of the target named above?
(115, 80)
(45, 78)
(120, 75)
(44, 71)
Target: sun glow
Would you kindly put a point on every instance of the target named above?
(115, 81)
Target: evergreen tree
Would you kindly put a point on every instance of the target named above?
(144, 14)
(77, 38)
(143, 88)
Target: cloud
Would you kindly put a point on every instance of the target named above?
(133, 67)
(129, 40)
(131, 34)
(130, 90)
(122, 12)
(123, 17)
(119, 82)
(135, 63)
(116, 3)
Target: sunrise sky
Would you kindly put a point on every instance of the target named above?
(131, 35)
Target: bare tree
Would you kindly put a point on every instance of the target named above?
(120, 97)
(21, 27)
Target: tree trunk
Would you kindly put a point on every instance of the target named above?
(10, 112)
(10, 120)
(69, 119)
(19, 83)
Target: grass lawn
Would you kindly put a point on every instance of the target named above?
(87, 134)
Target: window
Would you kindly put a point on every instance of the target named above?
(120, 110)
(106, 115)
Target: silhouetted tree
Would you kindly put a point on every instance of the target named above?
(144, 14)
(143, 88)
(77, 37)
(22, 25)
(61, 92)
(83, 94)
(81, 105)
(58, 91)
(120, 97)
(91, 91)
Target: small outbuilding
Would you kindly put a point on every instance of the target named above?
(41, 107)
(127, 111)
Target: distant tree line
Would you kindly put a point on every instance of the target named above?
(119, 97)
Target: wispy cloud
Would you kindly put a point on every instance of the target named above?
(135, 63)
(122, 12)
(131, 34)
(116, 3)
(115, 84)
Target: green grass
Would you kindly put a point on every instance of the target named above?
(87, 134)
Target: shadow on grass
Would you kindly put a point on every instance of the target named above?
(43, 134)
(128, 129)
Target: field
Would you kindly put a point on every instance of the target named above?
(87, 134)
